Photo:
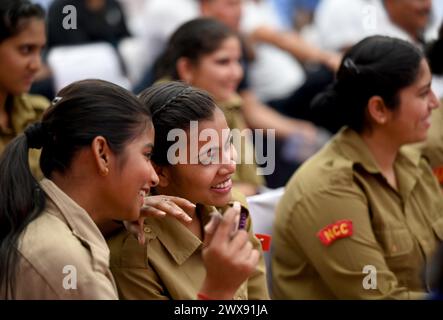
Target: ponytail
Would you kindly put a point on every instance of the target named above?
(376, 66)
(434, 53)
(21, 201)
(82, 111)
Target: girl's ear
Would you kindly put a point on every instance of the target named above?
(164, 175)
(102, 155)
(378, 112)
(185, 70)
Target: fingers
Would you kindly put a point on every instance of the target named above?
(223, 232)
(165, 205)
(210, 228)
(184, 204)
(151, 211)
(136, 229)
(240, 240)
(253, 259)
(141, 232)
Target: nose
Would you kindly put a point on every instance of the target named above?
(229, 164)
(433, 101)
(154, 179)
(237, 71)
(35, 63)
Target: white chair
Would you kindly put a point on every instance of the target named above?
(133, 52)
(90, 61)
(262, 210)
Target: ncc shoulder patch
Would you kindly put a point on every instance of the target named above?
(338, 230)
(438, 172)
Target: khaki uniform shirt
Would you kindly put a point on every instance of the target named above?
(170, 265)
(62, 254)
(247, 169)
(339, 196)
(26, 109)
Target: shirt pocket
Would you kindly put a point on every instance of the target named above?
(398, 250)
(395, 241)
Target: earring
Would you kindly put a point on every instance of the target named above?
(104, 172)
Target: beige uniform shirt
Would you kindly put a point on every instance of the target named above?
(170, 265)
(340, 221)
(26, 109)
(62, 254)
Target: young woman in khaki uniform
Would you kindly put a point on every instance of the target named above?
(97, 141)
(206, 54)
(363, 217)
(170, 264)
(22, 38)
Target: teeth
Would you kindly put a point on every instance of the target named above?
(222, 185)
(143, 193)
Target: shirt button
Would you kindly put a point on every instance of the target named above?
(147, 229)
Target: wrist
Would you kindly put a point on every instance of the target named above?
(215, 292)
(202, 296)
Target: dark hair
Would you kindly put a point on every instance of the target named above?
(434, 52)
(173, 105)
(14, 15)
(191, 40)
(376, 66)
(81, 112)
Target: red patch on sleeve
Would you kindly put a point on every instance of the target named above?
(438, 172)
(339, 230)
(265, 240)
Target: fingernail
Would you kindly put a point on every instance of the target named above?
(208, 226)
(236, 206)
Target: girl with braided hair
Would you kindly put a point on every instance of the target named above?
(96, 141)
(22, 38)
(171, 263)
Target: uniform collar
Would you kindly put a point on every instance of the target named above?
(233, 103)
(355, 149)
(178, 240)
(407, 163)
(81, 224)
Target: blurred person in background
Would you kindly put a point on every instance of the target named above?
(22, 38)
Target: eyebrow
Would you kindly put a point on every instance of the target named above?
(217, 147)
(426, 86)
(149, 145)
